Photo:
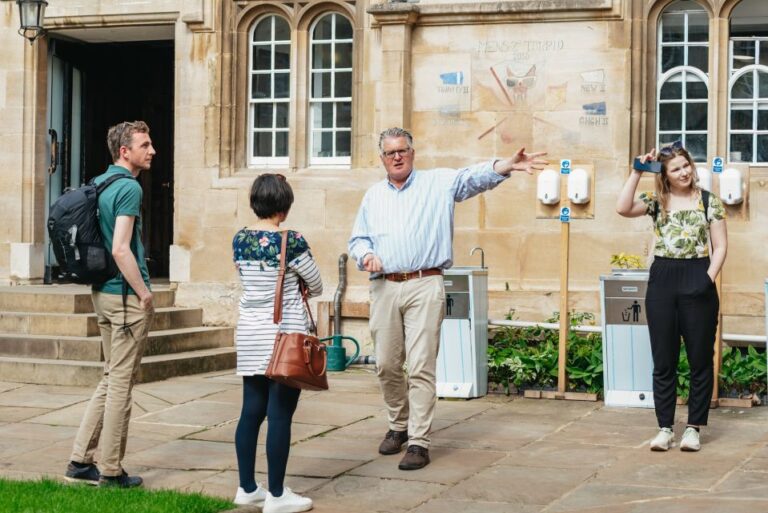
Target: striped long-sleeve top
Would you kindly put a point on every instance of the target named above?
(411, 228)
(257, 256)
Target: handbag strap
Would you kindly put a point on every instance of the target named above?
(278, 307)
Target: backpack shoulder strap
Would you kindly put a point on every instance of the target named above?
(705, 201)
(109, 181)
(655, 213)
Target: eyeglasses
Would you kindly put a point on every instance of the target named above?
(400, 153)
(670, 149)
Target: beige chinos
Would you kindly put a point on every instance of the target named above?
(105, 423)
(405, 324)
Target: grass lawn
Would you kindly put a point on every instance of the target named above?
(53, 497)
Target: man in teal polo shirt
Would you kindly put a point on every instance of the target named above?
(124, 324)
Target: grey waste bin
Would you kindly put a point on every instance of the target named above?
(462, 362)
(627, 360)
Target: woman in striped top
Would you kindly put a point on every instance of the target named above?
(256, 252)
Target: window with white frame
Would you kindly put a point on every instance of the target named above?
(330, 91)
(748, 83)
(269, 91)
(683, 71)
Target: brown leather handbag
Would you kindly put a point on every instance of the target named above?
(298, 360)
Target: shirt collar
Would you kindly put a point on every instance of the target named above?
(114, 169)
(408, 182)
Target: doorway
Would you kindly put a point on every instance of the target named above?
(94, 86)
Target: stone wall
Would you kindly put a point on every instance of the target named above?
(559, 80)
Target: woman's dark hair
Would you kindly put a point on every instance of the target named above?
(270, 195)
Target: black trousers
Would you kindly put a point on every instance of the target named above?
(682, 301)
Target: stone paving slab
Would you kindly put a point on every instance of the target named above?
(448, 466)
(544, 453)
(185, 391)
(34, 396)
(19, 413)
(477, 433)
(592, 495)
(332, 413)
(494, 454)
(187, 455)
(226, 432)
(308, 466)
(455, 506)
(520, 486)
(349, 449)
(674, 468)
(7, 385)
(197, 413)
(368, 494)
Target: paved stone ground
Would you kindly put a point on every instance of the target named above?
(491, 455)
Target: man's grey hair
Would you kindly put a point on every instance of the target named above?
(395, 132)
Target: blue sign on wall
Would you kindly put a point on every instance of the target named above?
(565, 215)
(565, 166)
(717, 165)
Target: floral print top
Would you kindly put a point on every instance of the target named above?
(683, 233)
(264, 246)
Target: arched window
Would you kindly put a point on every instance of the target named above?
(330, 94)
(748, 83)
(269, 91)
(683, 71)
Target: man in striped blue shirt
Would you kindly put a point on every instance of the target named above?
(403, 236)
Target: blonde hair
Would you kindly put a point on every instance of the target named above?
(662, 181)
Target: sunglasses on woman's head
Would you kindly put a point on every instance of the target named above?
(670, 149)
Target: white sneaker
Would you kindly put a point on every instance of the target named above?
(663, 441)
(288, 502)
(690, 441)
(255, 498)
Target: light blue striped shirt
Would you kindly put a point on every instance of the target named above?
(412, 228)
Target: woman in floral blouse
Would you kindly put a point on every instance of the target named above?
(256, 253)
(681, 300)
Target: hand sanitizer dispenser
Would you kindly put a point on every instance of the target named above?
(731, 186)
(578, 186)
(705, 178)
(548, 187)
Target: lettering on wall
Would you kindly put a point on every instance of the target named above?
(595, 114)
(593, 81)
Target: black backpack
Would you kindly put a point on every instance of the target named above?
(76, 238)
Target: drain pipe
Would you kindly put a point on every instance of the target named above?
(337, 297)
(339, 293)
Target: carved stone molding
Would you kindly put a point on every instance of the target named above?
(509, 11)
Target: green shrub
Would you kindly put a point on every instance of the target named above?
(527, 358)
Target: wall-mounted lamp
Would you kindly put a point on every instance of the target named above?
(32, 15)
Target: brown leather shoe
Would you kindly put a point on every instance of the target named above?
(393, 442)
(416, 457)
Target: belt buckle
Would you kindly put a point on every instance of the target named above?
(403, 276)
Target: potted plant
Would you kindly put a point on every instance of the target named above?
(624, 262)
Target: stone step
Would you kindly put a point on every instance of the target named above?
(89, 348)
(80, 373)
(85, 325)
(63, 298)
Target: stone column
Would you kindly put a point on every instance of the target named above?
(395, 20)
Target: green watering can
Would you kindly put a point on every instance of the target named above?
(337, 353)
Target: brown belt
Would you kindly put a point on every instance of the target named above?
(412, 275)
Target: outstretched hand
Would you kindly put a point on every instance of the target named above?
(521, 161)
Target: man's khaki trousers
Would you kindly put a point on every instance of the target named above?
(405, 324)
(105, 423)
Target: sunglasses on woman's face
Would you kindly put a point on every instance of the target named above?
(670, 149)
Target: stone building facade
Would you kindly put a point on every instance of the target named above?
(235, 87)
